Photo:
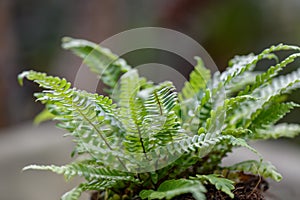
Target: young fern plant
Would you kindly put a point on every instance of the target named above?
(145, 141)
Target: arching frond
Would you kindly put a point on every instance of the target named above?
(265, 169)
(199, 78)
(83, 114)
(239, 65)
(108, 66)
(264, 78)
(277, 131)
(270, 114)
(280, 85)
(76, 192)
(204, 143)
(89, 172)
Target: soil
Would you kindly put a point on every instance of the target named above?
(250, 187)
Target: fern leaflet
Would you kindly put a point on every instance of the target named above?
(172, 188)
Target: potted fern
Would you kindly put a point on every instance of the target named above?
(146, 141)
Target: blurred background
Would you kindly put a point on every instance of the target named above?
(31, 32)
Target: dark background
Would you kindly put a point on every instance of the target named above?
(31, 31)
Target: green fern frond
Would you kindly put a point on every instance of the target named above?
(273, 71)
(163, 122)
(73, 194)
(277, 131)
(216, 121)
(214, 124)
(195, 98)
(94, 185)
(265, 169)
(223, 184)
(238, 132)
(204, 143)
(279, 86)
(89, 172)
(245, 59)
(44, 81)
(241, 82)
(132, 112)
(151, 117)
(199, 78)
(270, 114)
(108, 66)
(171, 188)
(85, 117)
(239, 65)
(233, 103)
(203, 110)
(194, 113)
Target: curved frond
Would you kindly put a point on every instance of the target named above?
(251, 109)
(264, 78)
(277, 131)
(204, 144)
(89, 172)
(241, 82)
(84, 115)
(108, 66)
(199, 78)
(265, 169)
(240, 64)
(270, 114)
(94, 185)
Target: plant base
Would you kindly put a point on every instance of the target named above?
(250, 187)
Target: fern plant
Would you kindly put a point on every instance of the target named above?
(146, 141)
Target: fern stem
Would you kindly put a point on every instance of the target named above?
(158, 102)
(142, 142)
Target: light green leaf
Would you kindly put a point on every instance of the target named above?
(223, 184)
(172, 188)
